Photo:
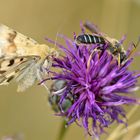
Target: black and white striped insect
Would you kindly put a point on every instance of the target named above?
(114, 46)
(89, 39)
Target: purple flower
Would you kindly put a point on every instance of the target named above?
(94, 84)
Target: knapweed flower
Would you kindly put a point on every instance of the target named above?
(95, 85)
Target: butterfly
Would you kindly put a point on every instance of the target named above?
(22, 59)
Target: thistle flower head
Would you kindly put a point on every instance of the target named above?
(96, 84)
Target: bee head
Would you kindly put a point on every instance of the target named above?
(116, 44)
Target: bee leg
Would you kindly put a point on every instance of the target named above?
(119, 60)
(90, 58)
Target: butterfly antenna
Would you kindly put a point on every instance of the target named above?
(57, 34)
(55, 44)
(56, 38)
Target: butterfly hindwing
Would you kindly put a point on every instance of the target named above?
(11, 68)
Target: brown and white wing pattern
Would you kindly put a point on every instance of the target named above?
(22, 59)
(13, 43)
(16, 63)
(22, 69)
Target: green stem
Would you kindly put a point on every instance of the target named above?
(63, 130)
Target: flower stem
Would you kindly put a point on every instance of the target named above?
(63, 130)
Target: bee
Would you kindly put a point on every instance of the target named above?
(22, 59)
(57, 89)
(115, 47)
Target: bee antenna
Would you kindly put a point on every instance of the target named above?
(131, 50)
(135, 45)
(138, 42)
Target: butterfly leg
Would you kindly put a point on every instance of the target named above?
(41, 78)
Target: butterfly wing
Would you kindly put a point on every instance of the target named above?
(13, 43)
(17, 68)
(21, 58)
(16, 61)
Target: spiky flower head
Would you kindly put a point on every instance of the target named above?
(95, 85)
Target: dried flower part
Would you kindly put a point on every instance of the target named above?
(96, 83)
(18, 136)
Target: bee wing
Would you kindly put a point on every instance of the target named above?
(91, 27)
(94, 29)
(11, 68)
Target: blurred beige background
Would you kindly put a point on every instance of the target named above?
(29, 112)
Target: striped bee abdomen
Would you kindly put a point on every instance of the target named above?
(90, 39)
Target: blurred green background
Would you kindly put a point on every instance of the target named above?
(29, 113)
